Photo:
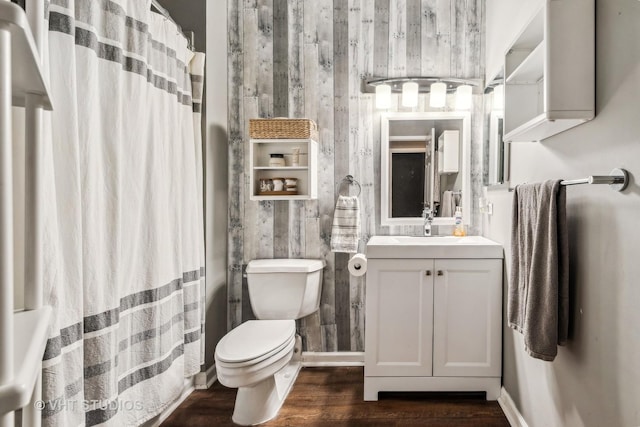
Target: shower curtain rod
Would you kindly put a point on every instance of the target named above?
(189, 35)
(161, 10)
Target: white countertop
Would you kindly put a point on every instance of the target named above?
(433, 247)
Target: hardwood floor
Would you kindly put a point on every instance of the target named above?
(333, 397)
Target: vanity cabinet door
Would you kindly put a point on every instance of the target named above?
(467, 318)
(399, 313)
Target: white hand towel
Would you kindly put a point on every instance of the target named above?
(345, 233)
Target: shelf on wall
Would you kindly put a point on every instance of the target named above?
(28, 334)
(306, 173)
(409, 138)
(30, 338)
(284, 197)
(531, 69)
(281, 168)
(27, 75)
(550, 72)
(542, 126)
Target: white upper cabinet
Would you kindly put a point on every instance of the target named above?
(550, 72)
(449, 152)
(295, 178)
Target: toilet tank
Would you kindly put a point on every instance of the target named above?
(281, 289)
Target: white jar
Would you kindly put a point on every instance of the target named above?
(276, 160)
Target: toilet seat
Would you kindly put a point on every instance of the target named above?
(254, 351)
(229, 370)
(254, 341)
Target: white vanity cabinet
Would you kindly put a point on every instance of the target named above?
(433, 324)
(399, 313)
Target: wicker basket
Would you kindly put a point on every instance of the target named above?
(283, 129)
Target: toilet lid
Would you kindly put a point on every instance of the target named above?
(254, 339)
(285, 265)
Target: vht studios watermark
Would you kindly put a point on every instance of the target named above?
(57, 405)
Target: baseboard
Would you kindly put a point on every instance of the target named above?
(334, 358)
(204, 380)
(511, 410)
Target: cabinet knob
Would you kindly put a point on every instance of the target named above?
(428, 272)
(440, 273)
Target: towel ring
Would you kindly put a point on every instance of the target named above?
(350, 180)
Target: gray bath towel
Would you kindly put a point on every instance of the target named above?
(538, 304)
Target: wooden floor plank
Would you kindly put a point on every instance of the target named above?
(333, 397)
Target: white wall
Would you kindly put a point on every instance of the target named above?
(210, 27)
(505, 20)
(216, 175)
(595, 380)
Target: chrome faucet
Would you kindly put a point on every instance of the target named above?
(427, 214)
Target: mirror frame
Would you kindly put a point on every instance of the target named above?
(491, 143)
(495, 164)
(465, 150)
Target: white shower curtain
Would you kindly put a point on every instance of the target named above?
(123, 228)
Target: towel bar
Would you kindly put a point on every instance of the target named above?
(618, 179)
(350, 180)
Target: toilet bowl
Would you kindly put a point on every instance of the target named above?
(254, 350)
(262, 357)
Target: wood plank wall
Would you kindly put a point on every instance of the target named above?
(306, 58)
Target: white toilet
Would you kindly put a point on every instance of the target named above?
(258, 356)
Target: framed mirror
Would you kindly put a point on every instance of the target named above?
(425, 161)
(496, 158)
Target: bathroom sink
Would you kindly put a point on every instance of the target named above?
(433, 247)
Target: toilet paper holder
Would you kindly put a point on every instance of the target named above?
(357, 265)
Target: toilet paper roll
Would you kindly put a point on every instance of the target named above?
(358, 265)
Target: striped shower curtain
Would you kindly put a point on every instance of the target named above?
(123, 230)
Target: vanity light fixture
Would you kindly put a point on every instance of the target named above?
(438, 96)
(383, 97)
(411, 87)
(464, 97)
(410, 94)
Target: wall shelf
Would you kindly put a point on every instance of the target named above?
(30, 338)
(531, 69)
(286, 197)
(281, 168)
(550, 72)
(409, 138)
(23, 335)
(27, 76)
(306, 172)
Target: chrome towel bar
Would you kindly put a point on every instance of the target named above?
(618, 180)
